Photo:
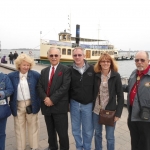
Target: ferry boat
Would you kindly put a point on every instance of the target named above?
(66, 44)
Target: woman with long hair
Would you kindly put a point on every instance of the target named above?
(108, 93)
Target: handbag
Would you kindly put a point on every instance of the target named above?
(144, 111)
(5, 110)
(106, 117)
(29, 109)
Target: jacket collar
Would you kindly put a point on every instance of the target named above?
(113, 73)
(17, 73)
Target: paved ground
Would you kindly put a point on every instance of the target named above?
(121, 133)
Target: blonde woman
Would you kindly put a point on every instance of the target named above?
(24, 82)
(108, 84)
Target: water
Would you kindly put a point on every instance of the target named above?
(126, 67)
(33, 53)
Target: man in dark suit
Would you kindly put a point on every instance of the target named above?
(53, 89)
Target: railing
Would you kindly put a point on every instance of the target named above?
(124, 81)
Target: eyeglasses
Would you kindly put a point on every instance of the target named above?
(75, 55)
(141, 60)
(105, 62)
(55, 55)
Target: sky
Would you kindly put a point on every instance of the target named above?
(124, 23)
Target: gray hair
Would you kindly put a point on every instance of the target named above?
(53, 48)
(145, 53)
(82, 49)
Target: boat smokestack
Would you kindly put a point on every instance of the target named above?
(77, 34)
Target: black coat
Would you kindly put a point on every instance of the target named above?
(58, 91)
(116, 97)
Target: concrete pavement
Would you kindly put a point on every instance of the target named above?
(121, 135)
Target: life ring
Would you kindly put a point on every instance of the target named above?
(30, 52)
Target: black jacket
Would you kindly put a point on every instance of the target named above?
(116, 97)
(82, 86)
(58, 91)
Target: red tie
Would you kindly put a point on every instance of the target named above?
(50, 81)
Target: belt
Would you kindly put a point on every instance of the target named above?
(3, 102)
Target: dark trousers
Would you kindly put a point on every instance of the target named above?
(11, 61)
(2, 133)
(140, 134)
(57, 124)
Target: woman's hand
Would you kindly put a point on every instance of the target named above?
(116, 119)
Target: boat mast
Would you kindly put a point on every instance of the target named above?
(69, 23)
(98, 32)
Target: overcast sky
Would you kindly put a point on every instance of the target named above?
(125, 23)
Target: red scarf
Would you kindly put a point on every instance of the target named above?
(134, 90)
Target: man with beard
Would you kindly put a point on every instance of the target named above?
(139, 93)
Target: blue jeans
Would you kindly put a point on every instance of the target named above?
(2, 133)
(98, 134)
(82, 126)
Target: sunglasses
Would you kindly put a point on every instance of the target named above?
(55, 55)
(75, 55)
(141, 60)
(105, 62)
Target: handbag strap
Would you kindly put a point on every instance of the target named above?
(99, 99)
(99, 94)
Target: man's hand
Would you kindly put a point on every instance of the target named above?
(48, 102)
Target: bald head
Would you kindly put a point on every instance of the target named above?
(142, 53)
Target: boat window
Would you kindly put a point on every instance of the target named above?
(69, 52)
(63, 51)
(95, 53)
(64, 37)
(68, 37)
(92, 53)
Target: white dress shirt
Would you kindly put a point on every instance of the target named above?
(23, 92)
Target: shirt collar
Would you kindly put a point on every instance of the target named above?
(54, 66)
(80, 67)
(23, 75)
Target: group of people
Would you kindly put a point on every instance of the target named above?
(79, 89)
(12, 57)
